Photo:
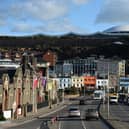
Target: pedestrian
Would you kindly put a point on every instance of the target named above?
(44, 125)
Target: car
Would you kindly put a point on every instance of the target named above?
(91, 114)
(82, 102)
(74, 111)
(113, 100)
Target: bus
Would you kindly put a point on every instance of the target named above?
(98, 94)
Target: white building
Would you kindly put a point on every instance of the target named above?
(64, 82)
(77, 81)
(101, 83)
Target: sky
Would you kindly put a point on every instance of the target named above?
(57, 17)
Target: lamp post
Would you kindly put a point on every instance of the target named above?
(108, 94)
(104, 95)
(49, 85)
(47, 66)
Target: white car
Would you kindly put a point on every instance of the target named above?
(74, 111)
(113, 99)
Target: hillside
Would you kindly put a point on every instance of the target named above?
(72, 45)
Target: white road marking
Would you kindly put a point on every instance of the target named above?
(60, 125)
(83, 124)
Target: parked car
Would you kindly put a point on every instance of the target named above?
(74, 111)
(91, 114)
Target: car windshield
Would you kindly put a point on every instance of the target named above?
(73, 109)
(91, 110)
(113, 97)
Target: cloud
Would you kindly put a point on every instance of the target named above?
(79, 2)
(40, 15)
(46, 9)
(63, 26)
(51, 27)
(22, 27)
(38, 10)
(114, 11)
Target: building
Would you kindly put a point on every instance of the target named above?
(122, 67)
(65, 82)
(76, 67)
(25, 92)
(67, 69)
(89, 82)
(113, 83)
(124, 85)
(58, 69)
(110, 66)
(50, 57)
(101, 83)
(77, 81)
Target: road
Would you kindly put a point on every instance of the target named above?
(66, 122)
(81, 123)
(120, 111)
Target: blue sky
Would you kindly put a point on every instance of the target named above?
(53, 17)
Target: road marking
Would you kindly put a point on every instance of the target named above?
(83, 124)
(60, 125)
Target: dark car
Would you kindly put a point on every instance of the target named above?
(91, 114)
(82, 102)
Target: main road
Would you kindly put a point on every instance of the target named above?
(81, 123)
(65, 122)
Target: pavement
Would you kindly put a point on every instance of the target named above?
(112, 121)
(31, 116)
(40, 113)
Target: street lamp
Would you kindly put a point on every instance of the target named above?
(49, 84)
(108, 94)
(47, 65)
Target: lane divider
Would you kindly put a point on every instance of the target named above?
(83, 125)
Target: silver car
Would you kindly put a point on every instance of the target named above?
(74, 111)
(91, 114)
